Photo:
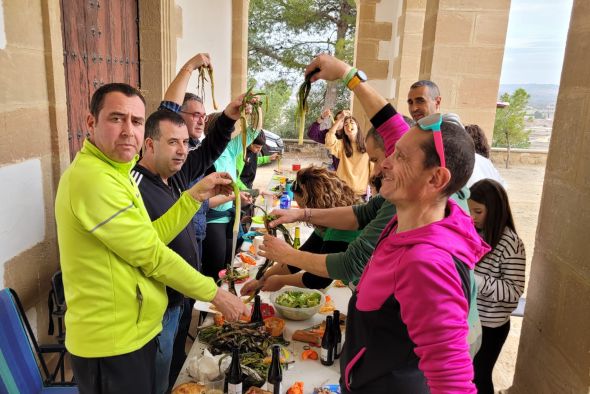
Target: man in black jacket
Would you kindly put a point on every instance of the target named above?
(165, 170)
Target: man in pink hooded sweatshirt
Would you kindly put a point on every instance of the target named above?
(407, 320)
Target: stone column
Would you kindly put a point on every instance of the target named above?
(410, 50)
(376, 48)
(158, 22)
(462, 52)
(239, 55)
(553, 356)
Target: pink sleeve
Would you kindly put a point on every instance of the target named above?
(434, 308)
(391, 131)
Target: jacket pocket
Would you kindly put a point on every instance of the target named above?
(139, 296)
(350, 366)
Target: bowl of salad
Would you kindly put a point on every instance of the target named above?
(295, 303)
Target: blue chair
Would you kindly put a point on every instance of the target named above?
(19, 371)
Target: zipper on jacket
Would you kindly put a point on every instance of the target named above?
(140, 300)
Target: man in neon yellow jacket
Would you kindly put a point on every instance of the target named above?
(114, 260)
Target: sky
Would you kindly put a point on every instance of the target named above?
(535, 42)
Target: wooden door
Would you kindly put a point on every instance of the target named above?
(101, 45)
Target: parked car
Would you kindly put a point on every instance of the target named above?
(274, 144)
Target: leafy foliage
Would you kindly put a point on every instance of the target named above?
(283, 37)
(509, 128)
(278, 93)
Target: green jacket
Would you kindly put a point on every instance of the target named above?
(372, 218)
(227, 162)
(114, 260)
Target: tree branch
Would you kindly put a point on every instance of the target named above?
(271, 54)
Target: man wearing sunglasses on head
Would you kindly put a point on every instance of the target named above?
(379, 373)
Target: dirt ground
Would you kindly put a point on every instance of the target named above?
(525, 184)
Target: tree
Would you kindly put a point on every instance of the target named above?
(278, 93)
(509, 126)
(284, 35)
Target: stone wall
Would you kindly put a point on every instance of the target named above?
(519, 156)
(462, 51)
(33, 148)
(377, 48)
(411, 28)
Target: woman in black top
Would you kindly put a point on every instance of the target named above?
(314, 187)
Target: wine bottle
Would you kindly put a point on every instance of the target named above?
(297, 239)
(337, 334)
(327, 352)
(256, 311)
(231, 287)
(233, 377)
(274, 381)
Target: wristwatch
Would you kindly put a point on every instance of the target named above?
(356, 79)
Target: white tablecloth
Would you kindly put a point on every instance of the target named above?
(311, 372)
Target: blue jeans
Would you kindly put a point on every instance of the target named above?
(164, 353)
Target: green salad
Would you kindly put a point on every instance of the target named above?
(299, 299)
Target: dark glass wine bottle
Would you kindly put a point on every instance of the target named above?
(274, 380)
(231, 287)
(233, 376)
(327, 352)
(337, 336)
(256, 311)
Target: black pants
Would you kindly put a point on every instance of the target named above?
(216, 249)
(492, 341)
(127, 373)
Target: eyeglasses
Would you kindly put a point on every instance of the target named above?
(432, 123)
(197, 115)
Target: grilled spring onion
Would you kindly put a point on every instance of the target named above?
(253, 119)
(236, 228)
(302, 107)
(203, 71)
(210, 71)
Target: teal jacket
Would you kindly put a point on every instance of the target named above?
(115, 261)
(372, 218)
(227, 162)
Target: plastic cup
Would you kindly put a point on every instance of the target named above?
(257, 241)
(295, 167)
(215, 386)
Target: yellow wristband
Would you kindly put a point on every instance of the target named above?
(354, 82)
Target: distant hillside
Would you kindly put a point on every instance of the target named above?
(541, 94)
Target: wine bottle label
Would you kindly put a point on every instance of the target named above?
(234, 388)
(324, 354)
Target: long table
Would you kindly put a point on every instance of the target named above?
(311, 372)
